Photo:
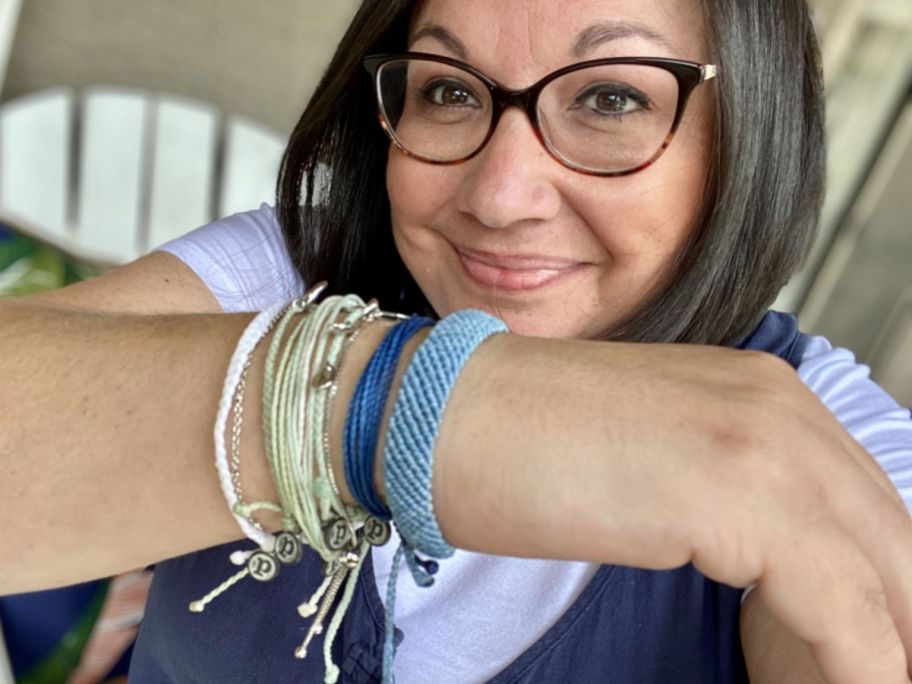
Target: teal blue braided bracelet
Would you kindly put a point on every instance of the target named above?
(408, 455)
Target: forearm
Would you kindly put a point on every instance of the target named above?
(538, 455)
(106, 446)
(106, 453)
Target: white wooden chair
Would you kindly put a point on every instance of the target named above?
(107, 173)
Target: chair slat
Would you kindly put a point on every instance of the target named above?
(183, 168)
(252, 157)
(35, 133)
(112, 172)
(9, 19)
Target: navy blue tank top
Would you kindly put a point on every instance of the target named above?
(628, 626)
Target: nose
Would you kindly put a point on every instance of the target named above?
(512, 179)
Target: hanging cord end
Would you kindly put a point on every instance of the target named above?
(422, 570)
(240, 557)
(200, 605)
(311, 605)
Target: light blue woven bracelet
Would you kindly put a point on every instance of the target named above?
(408, 456)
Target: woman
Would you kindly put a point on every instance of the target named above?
(579, 225)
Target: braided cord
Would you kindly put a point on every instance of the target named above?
(362, 425)
(294, 410)
(408, 455)
(258, 328)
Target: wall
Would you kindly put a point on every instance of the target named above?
(260, 59)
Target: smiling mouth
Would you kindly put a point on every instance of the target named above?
(515, 274)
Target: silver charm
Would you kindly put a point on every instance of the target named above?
(377, 532)
(337, 534)
(263, 567)
(288, 548)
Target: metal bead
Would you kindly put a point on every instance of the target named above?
(313, 294)
(371, 307)
(350, 560)
(326, 378)
(392, 316)
(263, 567)
(377, 532)
(288, 548)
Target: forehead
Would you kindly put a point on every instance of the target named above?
(523, 38)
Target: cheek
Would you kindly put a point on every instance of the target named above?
(646, 221)
(418, 196)
(647, 218)
(418, 192)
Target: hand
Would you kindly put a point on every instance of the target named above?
(868, 535)
(773, 654)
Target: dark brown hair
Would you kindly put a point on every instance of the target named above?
(763, 197)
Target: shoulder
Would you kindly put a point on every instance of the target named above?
(242, 259)
(866, 410)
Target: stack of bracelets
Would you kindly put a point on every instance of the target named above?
(303, 360)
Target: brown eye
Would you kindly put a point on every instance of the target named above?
(611, 102)
(612, 99)
(450, 94)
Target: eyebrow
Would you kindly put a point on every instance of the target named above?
(599, 34)
(588, 39)
(441, 34)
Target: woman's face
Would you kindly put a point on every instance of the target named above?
(553, 252)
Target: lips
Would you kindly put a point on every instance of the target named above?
(515, 273)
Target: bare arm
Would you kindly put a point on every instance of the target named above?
(105, 447)
(109, 397)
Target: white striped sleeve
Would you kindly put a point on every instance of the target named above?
(870, 415)
(242, 259)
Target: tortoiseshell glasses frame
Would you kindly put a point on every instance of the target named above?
(688, 75)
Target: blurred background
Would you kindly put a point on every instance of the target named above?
(124, 123)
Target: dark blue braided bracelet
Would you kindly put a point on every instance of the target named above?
(365, 414)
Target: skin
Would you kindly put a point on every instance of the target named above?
(514, 199)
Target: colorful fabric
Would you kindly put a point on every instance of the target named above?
(115, 629)
(28, 266)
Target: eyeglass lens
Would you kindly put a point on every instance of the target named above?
(606, 118)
